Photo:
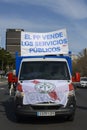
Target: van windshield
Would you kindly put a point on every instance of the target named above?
(50, 70)
(84, 79)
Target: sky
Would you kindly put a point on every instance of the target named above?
(46, 16)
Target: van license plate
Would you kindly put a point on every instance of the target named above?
(45, 113)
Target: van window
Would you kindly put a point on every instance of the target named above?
(51, 70)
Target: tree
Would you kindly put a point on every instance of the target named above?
(80, 64)
(6, 60)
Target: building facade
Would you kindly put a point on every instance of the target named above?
(13, 40)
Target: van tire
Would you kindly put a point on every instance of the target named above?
(18, 118)
(70, 118)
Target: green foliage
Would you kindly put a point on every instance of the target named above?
(7, 62)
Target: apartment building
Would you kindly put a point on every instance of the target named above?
(13, 40)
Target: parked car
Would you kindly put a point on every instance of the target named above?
(5, 75)
(83, 82)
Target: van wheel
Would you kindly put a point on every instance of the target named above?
(19, 118)
(70, 118)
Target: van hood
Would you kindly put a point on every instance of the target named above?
(45, 91)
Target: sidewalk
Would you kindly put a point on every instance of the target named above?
(3, 80)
